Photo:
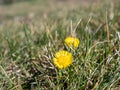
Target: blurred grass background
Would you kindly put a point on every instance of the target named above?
(32, 31)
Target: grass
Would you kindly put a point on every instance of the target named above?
(29, 39)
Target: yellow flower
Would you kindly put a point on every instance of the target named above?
(72, 42)
(62, 59)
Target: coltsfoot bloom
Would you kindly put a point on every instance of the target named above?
(63, 59)
(72, 42)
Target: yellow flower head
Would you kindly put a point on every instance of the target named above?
(72, 42)
(62, 59)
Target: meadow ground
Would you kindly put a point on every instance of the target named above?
(31, 32)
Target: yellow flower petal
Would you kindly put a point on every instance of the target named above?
(72, 42)
(62, 59)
